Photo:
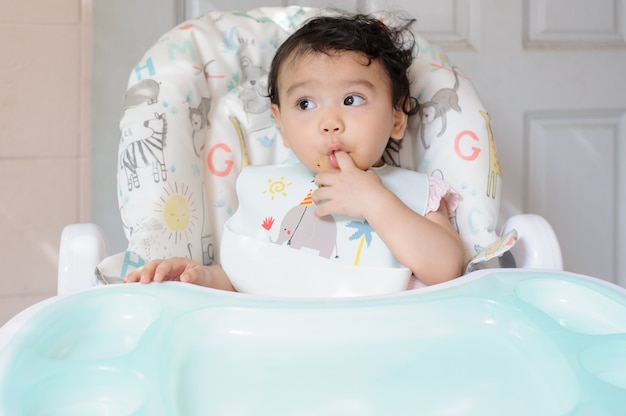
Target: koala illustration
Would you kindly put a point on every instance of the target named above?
(199, 118)
(253, 87)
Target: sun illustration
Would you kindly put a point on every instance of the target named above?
(179, 212)
(277, 187)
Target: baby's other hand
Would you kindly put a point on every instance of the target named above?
(181, 269)
(163, 270)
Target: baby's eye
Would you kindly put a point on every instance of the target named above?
(353, 100)
(306, 104)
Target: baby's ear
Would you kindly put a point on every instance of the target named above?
(400, 120)
(276, 114)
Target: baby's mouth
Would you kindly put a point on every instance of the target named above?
(332, 158)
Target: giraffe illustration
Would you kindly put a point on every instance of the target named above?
(494, 163)
(245, 161)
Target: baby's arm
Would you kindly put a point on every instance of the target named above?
(428, 245)
(184, 270)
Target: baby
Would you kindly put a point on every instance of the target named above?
(339, 91)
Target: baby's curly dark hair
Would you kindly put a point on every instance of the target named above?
(364, 34)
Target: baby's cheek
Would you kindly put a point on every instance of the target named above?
(321, 161)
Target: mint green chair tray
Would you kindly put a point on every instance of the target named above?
(497, 342)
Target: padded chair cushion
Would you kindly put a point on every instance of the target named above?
(196, 114)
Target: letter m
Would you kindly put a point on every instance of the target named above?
(184, 48)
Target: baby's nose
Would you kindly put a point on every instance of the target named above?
(332, 124)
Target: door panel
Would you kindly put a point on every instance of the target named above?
(572, 178)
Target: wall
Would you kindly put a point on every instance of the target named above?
(44, 135)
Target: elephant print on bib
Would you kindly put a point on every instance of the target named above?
(300, 228)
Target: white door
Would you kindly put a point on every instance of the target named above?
(550, 73)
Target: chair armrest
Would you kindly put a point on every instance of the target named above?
(537, 246)
(82, 247)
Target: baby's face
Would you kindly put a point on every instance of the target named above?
(336, 102)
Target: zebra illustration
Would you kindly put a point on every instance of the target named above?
(146, 152)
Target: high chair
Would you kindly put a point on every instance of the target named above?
(196, 114)
(514, 335)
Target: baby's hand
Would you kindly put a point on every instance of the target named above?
(181, 269)
(350, 191)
